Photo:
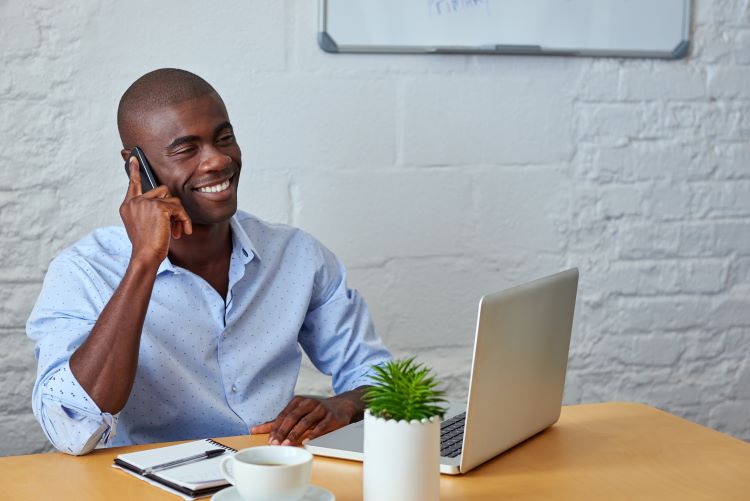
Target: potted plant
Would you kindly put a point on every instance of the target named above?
(402, 433)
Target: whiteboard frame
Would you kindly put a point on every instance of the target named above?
(327, 43)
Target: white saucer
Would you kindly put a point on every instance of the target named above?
(313, 493)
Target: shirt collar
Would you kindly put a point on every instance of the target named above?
(167, 265)
(240, 239)
(240, 236)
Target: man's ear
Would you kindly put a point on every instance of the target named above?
(125, 154)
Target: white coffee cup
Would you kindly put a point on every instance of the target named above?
(269, 472)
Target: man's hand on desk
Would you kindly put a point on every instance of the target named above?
(305, 418)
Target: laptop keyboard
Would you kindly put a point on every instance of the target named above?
(452, 436)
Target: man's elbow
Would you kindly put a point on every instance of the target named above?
(76, 447)
(71, 436)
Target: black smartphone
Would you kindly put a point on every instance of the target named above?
(148, 180)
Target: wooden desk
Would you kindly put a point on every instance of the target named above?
(596, 451)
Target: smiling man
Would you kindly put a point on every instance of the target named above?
(188, 322)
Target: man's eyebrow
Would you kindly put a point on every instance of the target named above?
(219, 128)
(182, 140)
(190, 139)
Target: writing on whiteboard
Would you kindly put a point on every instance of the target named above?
(439, 7)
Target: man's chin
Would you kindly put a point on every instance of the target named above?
(213, 217)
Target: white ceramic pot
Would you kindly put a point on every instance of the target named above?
(402, 459)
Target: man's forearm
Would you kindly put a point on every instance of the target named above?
(105, 364)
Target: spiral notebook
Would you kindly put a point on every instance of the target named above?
(196, 479)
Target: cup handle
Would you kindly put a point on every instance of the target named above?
(224, 467)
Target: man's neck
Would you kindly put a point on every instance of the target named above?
(206, 253)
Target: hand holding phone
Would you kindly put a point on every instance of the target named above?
(150, 213)
(148, 179)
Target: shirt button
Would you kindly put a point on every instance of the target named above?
(234, 389)
(224, 335)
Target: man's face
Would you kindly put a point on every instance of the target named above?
(193, 152)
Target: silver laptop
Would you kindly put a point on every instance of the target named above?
(517, 377)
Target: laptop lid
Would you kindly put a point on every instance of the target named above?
(517, 375)
(518, 368)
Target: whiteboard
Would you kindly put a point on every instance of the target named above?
(631, 28)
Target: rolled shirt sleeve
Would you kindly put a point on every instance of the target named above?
(338, 333)
(70, 419)
(65, 313)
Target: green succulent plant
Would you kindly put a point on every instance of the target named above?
(404, 390)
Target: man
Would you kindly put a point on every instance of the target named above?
(187, 322)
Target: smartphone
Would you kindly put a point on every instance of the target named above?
(148, 180)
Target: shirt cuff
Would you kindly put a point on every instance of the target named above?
(365, 379)
(72, 420)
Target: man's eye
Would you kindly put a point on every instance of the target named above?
(226, 138)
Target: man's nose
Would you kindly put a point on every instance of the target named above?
(214, 159)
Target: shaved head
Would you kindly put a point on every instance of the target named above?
(154, 90)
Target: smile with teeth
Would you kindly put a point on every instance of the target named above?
(216, 188)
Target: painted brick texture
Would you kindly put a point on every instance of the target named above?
(435, 179)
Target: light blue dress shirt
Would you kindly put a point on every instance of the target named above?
(207, 367)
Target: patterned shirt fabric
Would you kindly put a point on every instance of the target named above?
(208, 366)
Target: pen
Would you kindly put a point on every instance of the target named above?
(180, 462)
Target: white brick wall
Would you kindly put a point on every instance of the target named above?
(436, 179)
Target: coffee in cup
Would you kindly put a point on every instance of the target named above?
(269, 472)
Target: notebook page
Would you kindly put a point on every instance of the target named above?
(200, 474)
(153, 457)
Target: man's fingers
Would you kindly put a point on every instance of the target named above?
(134, 186)
(262, 428)
(283, 426)
(324, 426)
(187, 224)
(176, 230)
(180, 216)
(285, 423)
(305, 424)
(289, 407)
(160, 192)
(177, 214)
(269, 426)
(171, 204)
